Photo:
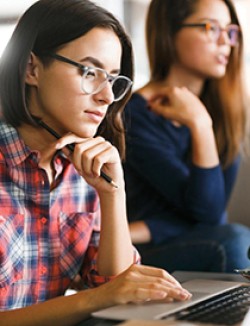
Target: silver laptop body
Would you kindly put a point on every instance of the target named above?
(201, 289)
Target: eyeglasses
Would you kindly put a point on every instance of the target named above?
(214, 30)
(95, 79)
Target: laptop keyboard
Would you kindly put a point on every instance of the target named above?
(227, 308)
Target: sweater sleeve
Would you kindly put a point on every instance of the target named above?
(158, 155)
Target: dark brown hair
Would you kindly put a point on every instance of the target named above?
(224, 98)
(45, 27)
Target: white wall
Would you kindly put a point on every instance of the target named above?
(14, 7)
(115, 6)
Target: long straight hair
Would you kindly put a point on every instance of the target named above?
(46, 27)
(225, 98)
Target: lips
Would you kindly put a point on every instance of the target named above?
(95, 116)
(222, 59)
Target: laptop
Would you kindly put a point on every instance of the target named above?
(203, 290)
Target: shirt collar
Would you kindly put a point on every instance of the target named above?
(12, 146)
(14, 149)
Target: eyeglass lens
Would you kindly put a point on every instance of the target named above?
(95, 79)
(233, 35)
(231, 30)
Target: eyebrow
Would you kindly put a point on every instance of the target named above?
(98, 64)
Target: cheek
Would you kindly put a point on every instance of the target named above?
(59, 92)
(195, 53)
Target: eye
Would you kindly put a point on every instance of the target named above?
(91, 74)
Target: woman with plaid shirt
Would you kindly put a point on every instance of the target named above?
(62, 215)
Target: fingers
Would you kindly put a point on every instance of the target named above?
(162, 285)
(158, 273)
(90, 154)
(144, 283)
(150, 291)
(181, 105)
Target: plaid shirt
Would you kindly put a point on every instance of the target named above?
(47, 236)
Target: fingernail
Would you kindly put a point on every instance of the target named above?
(185, 294)
(161, 294)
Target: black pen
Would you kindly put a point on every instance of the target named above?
(71, 148)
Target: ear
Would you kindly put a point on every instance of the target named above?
(32, 70)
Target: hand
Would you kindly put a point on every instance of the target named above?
(181, 105)
(139, 232)
(143, 283)
(90, 156)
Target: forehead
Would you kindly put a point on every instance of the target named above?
(100, 43)
(211, 9)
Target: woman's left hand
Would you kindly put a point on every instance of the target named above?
(91, 156)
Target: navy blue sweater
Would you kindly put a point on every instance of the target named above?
(163, 187)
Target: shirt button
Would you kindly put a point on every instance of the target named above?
(42, 182)
(43, 220)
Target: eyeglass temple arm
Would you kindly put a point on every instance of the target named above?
(63, 59)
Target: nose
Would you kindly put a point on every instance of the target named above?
(224, 37)
(106, 94)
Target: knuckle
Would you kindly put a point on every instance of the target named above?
(163, 274)
(100, 138)
(137, 293)
(174, 90)
(97, 160)
(130, 275)
(154, 286)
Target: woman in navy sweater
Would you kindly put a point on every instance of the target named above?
(185, 131)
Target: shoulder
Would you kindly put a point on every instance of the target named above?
(142, 95)
(136, 100)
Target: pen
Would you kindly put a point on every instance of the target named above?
(71, 148)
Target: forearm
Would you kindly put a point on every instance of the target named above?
(205, 194)
(115, 252)
(204, 149)
(64, 310)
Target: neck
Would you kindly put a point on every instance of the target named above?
(178, 77)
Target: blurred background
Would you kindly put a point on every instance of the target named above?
(132, 14)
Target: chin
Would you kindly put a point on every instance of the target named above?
(87, 133)
(220, 72)
(217, 74)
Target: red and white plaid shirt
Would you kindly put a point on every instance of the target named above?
(47, 236)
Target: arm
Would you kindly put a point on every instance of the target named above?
(138, 283)
(185, 108)
(134, 283)
(158, 153)
(90, 156)
(115, 252)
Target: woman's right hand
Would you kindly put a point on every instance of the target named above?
(137, 284)
(141, 283)
(181, 105)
